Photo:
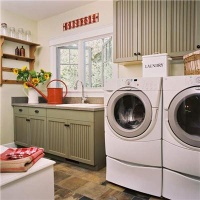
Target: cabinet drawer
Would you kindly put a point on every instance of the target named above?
(71, 114)
(37, 111)
(21, 110)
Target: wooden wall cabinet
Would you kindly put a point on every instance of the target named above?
(158, 26)
(30, 59)
(183, 27)
(139, 29)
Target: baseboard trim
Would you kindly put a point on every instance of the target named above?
(11, 145)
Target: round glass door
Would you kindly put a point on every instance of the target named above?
(184, 116)
(129, 113)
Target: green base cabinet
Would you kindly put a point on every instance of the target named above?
(77, 135)
(21, 126)
(30, 126)
(57, 137)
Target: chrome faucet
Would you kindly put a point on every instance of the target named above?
(83, 98)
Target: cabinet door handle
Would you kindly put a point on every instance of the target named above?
(37, 111)
(28, 120)
(198, 46)
(137, 54)
(20, 110)
(67, 125)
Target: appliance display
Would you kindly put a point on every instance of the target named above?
(133, 133)
(181, 137)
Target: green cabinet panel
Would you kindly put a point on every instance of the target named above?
(29, 126)
(21, 130)
(37, 131)
(81, 141)
(57, 137)
(71, 114)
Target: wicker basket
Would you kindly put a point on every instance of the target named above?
(192, 63)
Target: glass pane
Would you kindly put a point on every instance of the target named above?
(129, 112)
(188, 115)
(68, 67)
(98, 62)
(69, 74)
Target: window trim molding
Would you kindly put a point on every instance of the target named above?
(59, 41)
(81, 36)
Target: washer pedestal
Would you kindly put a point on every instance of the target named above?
(136, 177)
(177, 186)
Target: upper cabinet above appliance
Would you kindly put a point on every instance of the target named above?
(139, 29)
(183, 27)
(157, 26)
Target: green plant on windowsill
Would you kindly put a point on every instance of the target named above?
(31, 76)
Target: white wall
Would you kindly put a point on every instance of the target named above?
(52, 28)
(7, 91)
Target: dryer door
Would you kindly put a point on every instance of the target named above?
(184, 116)
(129, 113)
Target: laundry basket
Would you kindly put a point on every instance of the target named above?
(192, 63)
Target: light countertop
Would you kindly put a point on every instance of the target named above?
(86, 107)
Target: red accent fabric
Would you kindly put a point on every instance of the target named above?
(20, 159)
(17, 153)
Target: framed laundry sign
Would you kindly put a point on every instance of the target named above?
(81, 22)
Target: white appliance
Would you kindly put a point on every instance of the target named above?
(133, 133)
(181, 137)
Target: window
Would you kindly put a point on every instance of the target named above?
(67, 69)
(87, 60)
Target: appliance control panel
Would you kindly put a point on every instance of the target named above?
(145, 83)
(192, 80)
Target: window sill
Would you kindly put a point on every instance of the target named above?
(87, 92)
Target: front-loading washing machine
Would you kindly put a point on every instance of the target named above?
(133, 133)
(181, 137)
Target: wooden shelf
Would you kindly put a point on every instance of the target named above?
(30, 59)
(11, 82)
(19, 41)
(15, 57)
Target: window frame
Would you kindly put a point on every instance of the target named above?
(105, 31)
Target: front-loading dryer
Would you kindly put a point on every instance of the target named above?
(133, 133)
(181, 137)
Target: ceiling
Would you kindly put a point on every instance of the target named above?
(40, 9)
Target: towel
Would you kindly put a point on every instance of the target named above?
(20, 159)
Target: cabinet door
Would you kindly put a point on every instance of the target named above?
(125, 31)
(21, 129)
(151, 27)
(81, 141)
(57, 137)
(183, 27)
(38, 131)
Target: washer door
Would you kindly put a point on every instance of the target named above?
(129, 112)
(184, 116)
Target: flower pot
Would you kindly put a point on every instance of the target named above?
(32, 95)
